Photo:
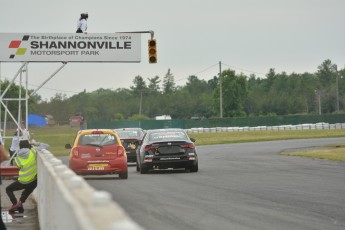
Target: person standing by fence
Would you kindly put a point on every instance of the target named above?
(15, 144)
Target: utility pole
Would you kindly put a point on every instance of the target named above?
(337, 87)
(319, 103)
(318, 94)
(141, 100)
(220, 91)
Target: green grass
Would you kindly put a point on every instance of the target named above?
(333, 153)
(58, 136)
(337, 154)
(336, 145)
(255, 136)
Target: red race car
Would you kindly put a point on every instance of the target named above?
(98, 152)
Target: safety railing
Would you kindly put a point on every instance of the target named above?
(268, 128)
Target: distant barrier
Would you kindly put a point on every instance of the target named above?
(266, 121)
(268, 128)
(66, 201)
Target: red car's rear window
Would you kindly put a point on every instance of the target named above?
(100, 139)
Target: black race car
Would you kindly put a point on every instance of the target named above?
(130, 138)
(167, 148)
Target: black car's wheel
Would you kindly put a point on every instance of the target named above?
(194, 168)
(138, 168)
(143, 170)
(123, 175)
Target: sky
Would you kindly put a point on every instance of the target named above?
(193, 36)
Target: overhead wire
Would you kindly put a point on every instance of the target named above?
(246, 70)
(234, 67)
(57, 90)
(195, 74)
(204, 70)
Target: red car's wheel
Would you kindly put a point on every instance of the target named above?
(123, 175)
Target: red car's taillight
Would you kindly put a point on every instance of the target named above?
(121, 151)
(75, 152)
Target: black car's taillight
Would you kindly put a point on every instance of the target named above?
(148, 158)
(188, 146)
(149, 147)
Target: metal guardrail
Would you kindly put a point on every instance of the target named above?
(66, 201)
(268, 128)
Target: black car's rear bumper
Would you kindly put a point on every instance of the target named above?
(170, 162)
(131, 156)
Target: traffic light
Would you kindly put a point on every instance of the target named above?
(152, 51)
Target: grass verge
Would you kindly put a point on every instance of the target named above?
(255, 136)
(335, 154)
(56, 137)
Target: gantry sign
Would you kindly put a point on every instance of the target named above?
(76, 47)
(28, 48)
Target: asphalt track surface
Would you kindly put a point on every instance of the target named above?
(238, 186)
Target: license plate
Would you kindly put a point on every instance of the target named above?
(95, 167)
(169, 158)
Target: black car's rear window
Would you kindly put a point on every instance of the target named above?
(168, 136)
(97, 139)
(129, 134)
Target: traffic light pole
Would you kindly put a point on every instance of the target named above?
(152, 45)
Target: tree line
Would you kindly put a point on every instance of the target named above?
(242, 95)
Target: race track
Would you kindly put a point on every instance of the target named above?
(239, 186)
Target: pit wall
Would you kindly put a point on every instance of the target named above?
(66, 201)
